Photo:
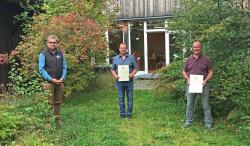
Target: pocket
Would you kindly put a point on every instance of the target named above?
(47, 86)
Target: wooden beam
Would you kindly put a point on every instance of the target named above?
(13, 1)
(18, 1)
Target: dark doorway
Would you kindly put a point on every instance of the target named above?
(156, 51)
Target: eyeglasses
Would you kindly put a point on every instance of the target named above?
(52, 42)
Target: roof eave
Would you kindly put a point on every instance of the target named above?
(144, 18)
(13, 1)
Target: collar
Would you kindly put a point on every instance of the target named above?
(197, 57)
(55, 52)
(121, 55)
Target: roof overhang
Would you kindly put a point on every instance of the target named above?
(144, 18)
(13, 1)
(17, 2)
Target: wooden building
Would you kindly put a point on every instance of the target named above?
(144, 29)
(9, 36)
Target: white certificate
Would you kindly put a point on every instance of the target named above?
(123, 72)
(195, 83)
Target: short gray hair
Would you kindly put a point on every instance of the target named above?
(52, 37)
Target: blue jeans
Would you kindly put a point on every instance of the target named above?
(125, 87)
(205, 105)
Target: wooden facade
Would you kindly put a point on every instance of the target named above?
(9, 36)
(143, 9)
(143, 30)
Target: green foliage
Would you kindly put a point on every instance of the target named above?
(9, 124)
(231, 84)
(29, 8)
(94, 118)
(171, 81)
(26, 110)
(80, 25)
(22, 115)
(103, 80)
(156, 121)
(79, 78)
(35, 106)
(223, 27)
(21, 86)
(31, 139)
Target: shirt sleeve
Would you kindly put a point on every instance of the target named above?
(114, 65)
(134, 62)
(42, 70)
(209, 64)
(64, 65)
(185, 66)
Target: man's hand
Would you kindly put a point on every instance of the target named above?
(131, 75)
(55, 81)
(116, 76)
(185, 75)
(204, 82)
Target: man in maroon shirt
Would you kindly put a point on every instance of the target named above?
(197, 64)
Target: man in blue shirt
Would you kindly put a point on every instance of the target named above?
(53, 69)
(124, 86)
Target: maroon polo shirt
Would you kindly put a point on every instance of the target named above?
(199, 66)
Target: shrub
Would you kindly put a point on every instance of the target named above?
(103, 80)
(230, 86)
(81, 32)
(171, 82)
(32, 139)
(22, 115)
(9, 124)
(21, 86)
(223, 27)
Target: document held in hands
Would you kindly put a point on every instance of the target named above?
(123, 72)
(195, 83)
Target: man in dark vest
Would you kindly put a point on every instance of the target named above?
(53, 69)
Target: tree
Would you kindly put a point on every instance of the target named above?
(223, 27)
(80, 25)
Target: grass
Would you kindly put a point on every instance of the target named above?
(92, 119)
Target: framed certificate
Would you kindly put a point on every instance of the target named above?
(123, 72)
(195, 85)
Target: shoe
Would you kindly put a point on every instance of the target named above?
(209, 126)
(59, 123)
(122, 116)
(129, 116)
(186, 125)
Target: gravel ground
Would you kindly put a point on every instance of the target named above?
(143, 84)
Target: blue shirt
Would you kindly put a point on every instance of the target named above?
(129, 60)
(45, 74)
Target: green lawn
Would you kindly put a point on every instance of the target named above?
(93, 119)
